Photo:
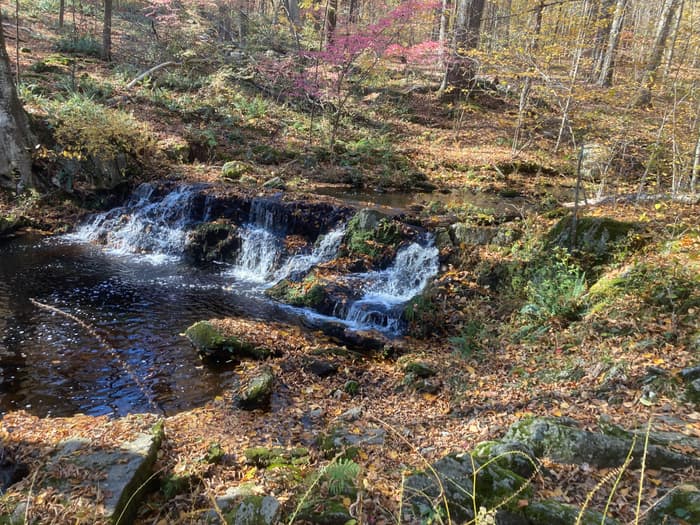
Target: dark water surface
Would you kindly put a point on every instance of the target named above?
(50, 365)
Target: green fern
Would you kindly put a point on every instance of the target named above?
(341, 476)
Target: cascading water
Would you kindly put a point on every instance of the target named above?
(386, 291)
(155, 227)
(145, 224)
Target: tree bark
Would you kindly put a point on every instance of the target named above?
(107, 32)
(61, 12)
(467, 33)
(662, 33)
(331, 20)
(16, 139)
(607, 67)
(604, 17)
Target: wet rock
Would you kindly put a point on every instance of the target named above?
(494, 485)
(679, 507)
(363, 340)
(213, 345)
(275, 183)
(256, 510)
(562, 441)
(257, 392)
(311, 292)
(213, 241)
(596, 236)
(235, 169)
(556, 513)
(373, 235)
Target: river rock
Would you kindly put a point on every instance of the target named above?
(681, 506)
(423, 494)
(550, 512)
(562, 441)
(213, 345)
(213, 241)
(257, 392)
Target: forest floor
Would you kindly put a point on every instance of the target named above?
(394, 137)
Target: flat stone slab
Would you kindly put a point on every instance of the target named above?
(100, 468)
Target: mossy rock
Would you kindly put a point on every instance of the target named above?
(510, 455)
(416, 367)
(556, 513)
(255, 510)
(275, 183)
(594, 236)
(561, 440)
(257, 393)
(679, 507)
(372, 234)
(9, 224)
(235, 169)
(213, 241)
(310, 292)
(494, 487)
(213, 345)
(265, 457)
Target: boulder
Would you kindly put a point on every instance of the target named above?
(550, 512)
(680, 506)
(595, 236)
(275, 183)
(235, 169)
(213, 345)
(467, 484)
(595, 161)
(255, 510)
(563, 442)
(257, 392)
(511, 455)
(213, 241)
(463, 233)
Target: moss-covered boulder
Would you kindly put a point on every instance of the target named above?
(310, 293)
(561, 440)
(213, 241)
(596, 237)
(373, 235)
(213, 345)
(556, 513)
(235, 169)
(511, 455)
(257, 391)
(255, 510)
(492, 487)
(679, 507)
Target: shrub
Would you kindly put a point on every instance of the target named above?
(78, 44)
(83, 126)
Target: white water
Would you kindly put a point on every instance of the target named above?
(155, 228)
(386, 291)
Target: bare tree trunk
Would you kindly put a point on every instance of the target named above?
(604, 21)
(507, 9)
(61, 12)
(695, 175)
(670, 51)
(107, 32)
(16, 139)
(353, 10)
(607, 67)
(662, 33)
(467, 33)
(331, 20)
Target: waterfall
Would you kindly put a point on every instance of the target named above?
(260, 250)
(326, 249)
(386, 291)
(145, 224)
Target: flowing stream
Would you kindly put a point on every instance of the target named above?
(122, 272)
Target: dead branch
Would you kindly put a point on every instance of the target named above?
(150, 72)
